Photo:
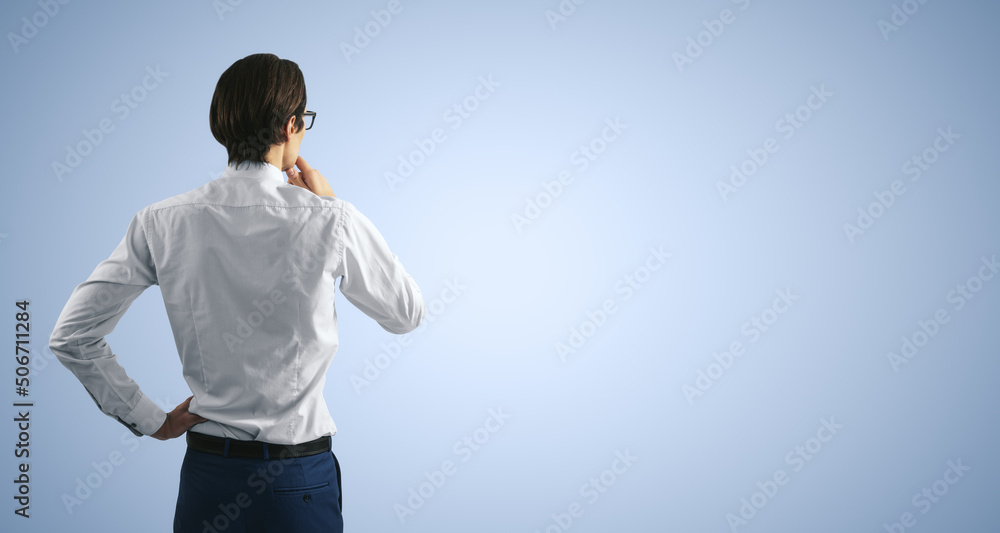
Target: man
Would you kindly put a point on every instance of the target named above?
(247, 266)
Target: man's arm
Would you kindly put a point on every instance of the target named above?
(91, 313)
(374, 280)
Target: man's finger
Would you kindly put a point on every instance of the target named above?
(310, 180)
(300, 162)
(184, 405)
(184, 408)
(295, 178)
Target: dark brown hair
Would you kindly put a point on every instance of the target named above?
(253, 101)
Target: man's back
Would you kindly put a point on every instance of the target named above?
(247, 265)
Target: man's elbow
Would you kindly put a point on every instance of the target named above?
(59, 345)
(68, 346)
(410, 319)
(57, 341)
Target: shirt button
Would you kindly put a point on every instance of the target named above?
(134, 424)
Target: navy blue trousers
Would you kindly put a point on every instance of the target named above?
(229, 495)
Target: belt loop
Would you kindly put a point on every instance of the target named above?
(266, 451)
(225, 448)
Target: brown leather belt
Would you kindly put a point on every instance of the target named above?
(253, 449)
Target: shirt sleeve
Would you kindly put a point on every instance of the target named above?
(92, 312)
(374, 280)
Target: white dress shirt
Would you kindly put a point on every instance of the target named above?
(247, 266)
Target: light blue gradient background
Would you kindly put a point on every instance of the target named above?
(494, 346)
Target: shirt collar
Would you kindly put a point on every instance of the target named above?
(244, 169)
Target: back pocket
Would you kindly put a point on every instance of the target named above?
(291, 491)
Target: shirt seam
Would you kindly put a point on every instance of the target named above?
(344, 215)
(149, 245)
(245, 206)
(149, 240)
(197, 341)
(100, 370)
(298, 371)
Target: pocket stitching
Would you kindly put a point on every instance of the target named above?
(301, 490)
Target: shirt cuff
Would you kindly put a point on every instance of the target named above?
(145, 418)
